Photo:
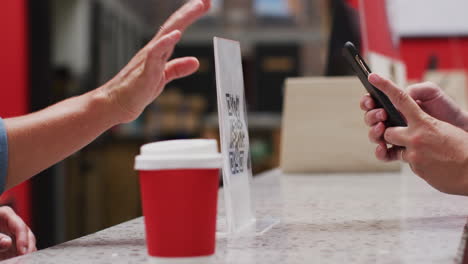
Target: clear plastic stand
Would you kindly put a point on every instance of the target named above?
(235, 148)
(258, 227)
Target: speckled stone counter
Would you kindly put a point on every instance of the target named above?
(337, 218)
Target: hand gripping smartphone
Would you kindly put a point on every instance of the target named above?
(362, 71)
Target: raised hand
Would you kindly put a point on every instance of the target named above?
(145, 76)
(60, 130)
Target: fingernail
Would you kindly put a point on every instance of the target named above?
(5, 240)
(369, 104)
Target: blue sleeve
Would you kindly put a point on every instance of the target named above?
(3, 155)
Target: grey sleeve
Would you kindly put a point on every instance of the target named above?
(3, 155)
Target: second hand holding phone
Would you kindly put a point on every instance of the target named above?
(362, 70)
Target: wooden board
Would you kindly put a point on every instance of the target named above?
(323, 128)
(454, 83)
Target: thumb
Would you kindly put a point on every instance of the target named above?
(401, 99)
(5, 243)
(424, 92)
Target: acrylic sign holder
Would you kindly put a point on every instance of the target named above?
(237, 172)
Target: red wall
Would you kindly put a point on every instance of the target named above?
(14, 84)
(353, 3)
(375, 29)
(452, 54)
(14, 58)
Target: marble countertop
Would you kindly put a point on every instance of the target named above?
(324, 218)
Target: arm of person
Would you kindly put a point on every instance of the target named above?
(39, 140)
(436, 150)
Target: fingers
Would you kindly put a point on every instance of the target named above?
(402, 101)
(367, 103)
(394, 153)
(165, 44)
(381, 151)
(404, 155)
(179, 21)
(376, 133)
(185, 16)
(21, 237)
(375, 116)
(32, 242)
(179, 68)
(17, 228)
(396, 136)
(159, 53)
(5, 243)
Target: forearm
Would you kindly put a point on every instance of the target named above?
(39, 140)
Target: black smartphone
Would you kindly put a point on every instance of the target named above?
(363, 71)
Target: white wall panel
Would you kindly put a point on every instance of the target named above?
(429, 17)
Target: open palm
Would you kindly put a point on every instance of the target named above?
(145, 76)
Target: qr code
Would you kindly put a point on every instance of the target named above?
(233, 103)
(236, 161)
(237, 135)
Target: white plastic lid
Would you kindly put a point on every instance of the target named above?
(179, 154)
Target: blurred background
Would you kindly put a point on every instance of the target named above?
(74, 46)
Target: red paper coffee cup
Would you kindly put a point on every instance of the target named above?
(179, 189)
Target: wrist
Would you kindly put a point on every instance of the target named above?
(119, 101)
(101, 107)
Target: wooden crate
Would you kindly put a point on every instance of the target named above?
(323, 128)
